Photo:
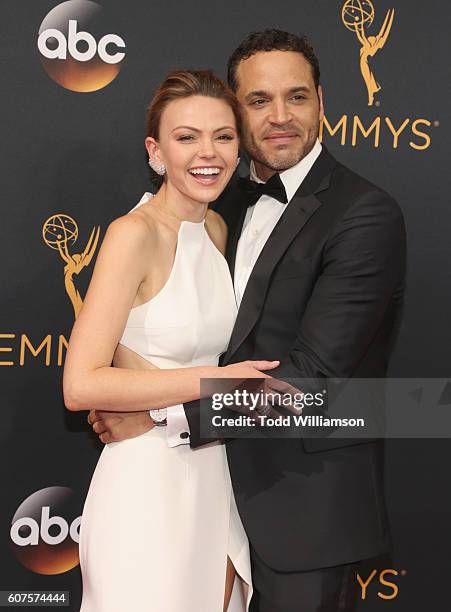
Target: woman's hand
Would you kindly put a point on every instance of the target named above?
(248, 369)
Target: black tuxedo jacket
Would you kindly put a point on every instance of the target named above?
(324, 297)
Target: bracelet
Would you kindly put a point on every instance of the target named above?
(158, 417)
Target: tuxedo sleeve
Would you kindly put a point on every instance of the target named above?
(177, 431)
(192, 412)
(361, 282)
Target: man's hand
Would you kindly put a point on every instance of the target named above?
(279, 393)
(117, 426)
(262, 397)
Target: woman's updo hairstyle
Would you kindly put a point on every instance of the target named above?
(184, 84)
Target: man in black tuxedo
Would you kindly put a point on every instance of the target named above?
(318, 259)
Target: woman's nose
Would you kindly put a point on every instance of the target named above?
(207, 149)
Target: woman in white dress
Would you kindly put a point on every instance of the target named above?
(160, 531)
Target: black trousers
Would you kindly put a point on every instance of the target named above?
(331, 589)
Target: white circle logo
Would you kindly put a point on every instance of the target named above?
(45, 531)
(76, 48)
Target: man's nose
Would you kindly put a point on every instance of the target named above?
(280, 114)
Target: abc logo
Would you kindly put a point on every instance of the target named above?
(45, 531)
(76, 49)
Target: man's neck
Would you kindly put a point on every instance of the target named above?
(291, 177)
(263, 172)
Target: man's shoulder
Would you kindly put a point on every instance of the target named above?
(346, 178)
(351, 188)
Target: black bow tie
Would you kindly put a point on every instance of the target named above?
(274, 188)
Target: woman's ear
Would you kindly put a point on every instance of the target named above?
(153, 150)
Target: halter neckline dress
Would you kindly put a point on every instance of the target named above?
(159, 522)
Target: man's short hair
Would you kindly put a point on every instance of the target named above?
(271, 40)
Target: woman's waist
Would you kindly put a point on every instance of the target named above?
(163, 361)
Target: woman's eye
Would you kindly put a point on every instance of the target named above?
(185, 138)
(225, 137)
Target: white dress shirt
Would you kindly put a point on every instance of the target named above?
(261, 219)
(259, 222)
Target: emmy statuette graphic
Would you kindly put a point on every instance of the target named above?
(59, 232)
(358, 15)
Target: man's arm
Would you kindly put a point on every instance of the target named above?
(192, 412)
(116, 426)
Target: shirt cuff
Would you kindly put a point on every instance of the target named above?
(177, 429)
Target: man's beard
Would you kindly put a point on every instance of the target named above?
(284, 159)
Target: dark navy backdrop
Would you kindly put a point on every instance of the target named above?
(80, 156)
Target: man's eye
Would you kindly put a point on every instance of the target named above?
(298, 97)
(258, 102)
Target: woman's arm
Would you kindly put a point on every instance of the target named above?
(89, 380)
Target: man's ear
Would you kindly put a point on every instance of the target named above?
(321, 103)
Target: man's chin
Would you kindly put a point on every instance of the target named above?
(282, 157)
(281, 163)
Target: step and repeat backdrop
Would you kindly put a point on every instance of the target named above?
(76, 80)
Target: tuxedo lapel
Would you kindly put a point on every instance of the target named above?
(301, 207)
(232, 206)
(232, 241)
(290, 224)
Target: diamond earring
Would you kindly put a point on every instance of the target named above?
(159, 168)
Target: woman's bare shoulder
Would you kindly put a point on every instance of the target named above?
(217, 229)
(135, 229)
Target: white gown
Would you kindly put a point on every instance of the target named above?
(159, 522)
